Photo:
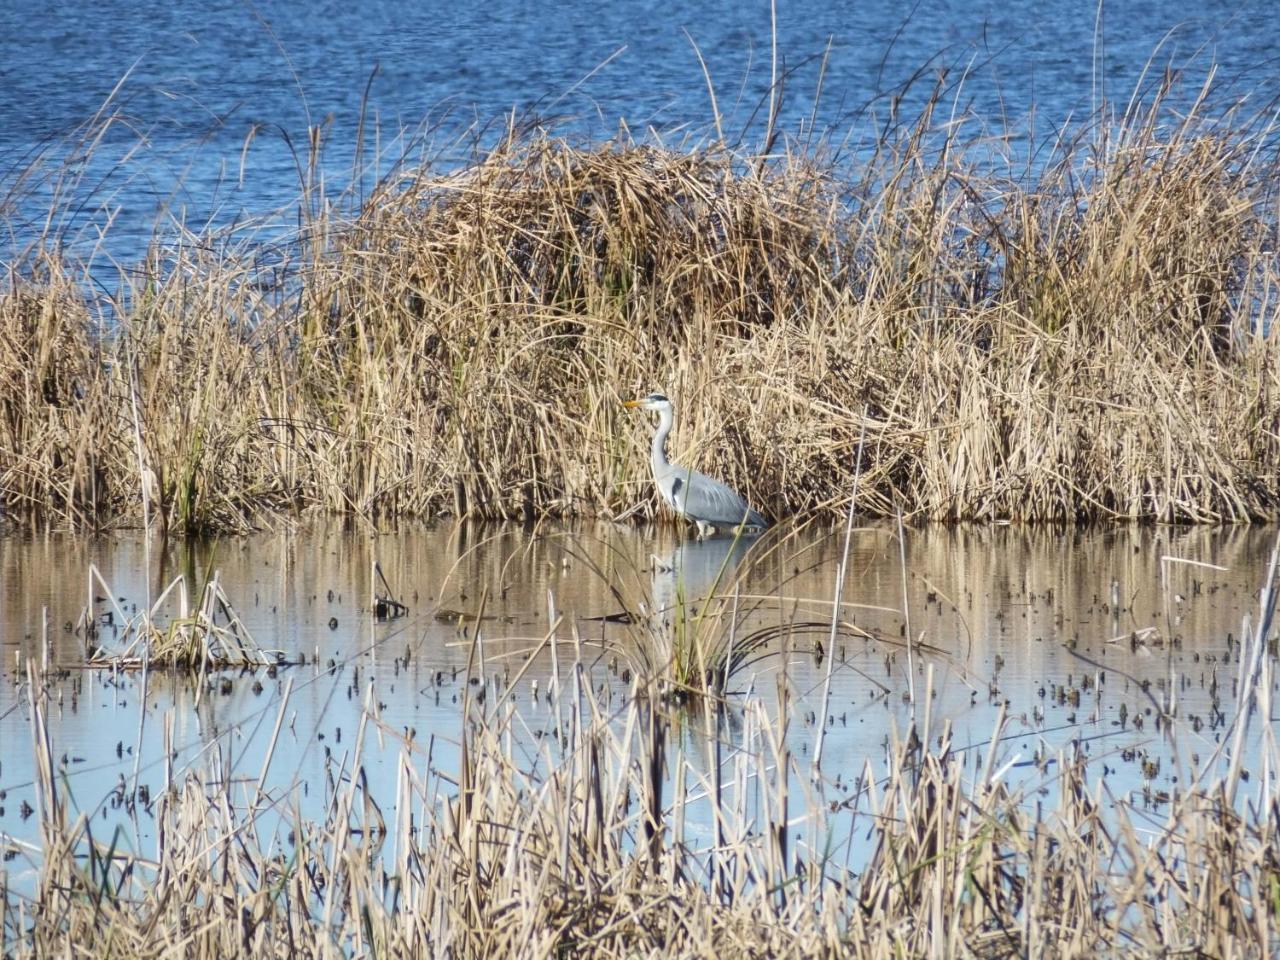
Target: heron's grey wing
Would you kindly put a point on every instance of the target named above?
(700, 497)
(672, 484)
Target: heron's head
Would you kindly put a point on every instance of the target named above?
(653, 402)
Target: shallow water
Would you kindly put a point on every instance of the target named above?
(1004, 619)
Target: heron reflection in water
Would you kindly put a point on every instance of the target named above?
(692, 570)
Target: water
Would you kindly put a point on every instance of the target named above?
(214, 100)
(1079, 637)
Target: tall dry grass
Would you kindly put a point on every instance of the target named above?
(1092, 340)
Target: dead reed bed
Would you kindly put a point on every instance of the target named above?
(627, 828)
(1091, 339)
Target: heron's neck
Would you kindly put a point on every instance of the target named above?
(658, 458)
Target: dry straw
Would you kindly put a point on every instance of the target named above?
(1089, 341)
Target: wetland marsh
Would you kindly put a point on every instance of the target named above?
(1043, 667)
(338, 615)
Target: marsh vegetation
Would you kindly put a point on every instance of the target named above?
(1085, 334)
(1085, 337)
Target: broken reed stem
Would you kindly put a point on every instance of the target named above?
(842, 570)
(906, 615)
(1247, 685)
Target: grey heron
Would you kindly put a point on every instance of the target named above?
(693, 495)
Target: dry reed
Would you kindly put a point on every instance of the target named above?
(172, 631)
(1091, 341)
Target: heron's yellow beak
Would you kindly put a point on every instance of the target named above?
(632, 403)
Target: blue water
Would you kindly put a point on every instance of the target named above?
(193, 83)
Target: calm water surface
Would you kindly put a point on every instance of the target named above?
(1027, 623)
(214, 99)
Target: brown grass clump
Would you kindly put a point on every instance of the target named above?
(1092, 342)
(49, 377)
(172, 632)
